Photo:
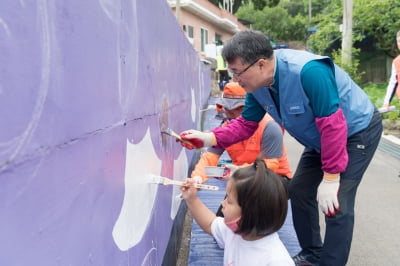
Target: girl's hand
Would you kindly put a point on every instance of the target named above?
(189, 191)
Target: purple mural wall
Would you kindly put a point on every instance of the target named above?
(85, 89)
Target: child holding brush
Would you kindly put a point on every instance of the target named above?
(254, 210)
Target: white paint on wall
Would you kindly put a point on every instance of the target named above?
(180, 173)
(4, 26)
(141, 161)
(193, 108)
(146, 261)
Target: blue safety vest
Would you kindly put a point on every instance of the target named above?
(296, 115)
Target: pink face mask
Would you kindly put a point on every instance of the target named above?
(233, 225)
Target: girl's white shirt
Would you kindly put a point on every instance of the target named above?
(391, 85)
(268, 250)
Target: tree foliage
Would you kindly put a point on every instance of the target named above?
(257, 4)
(289, 21)
(301, 7)
(328, 28)
(376, 19)
(379, 19)
(270, 22)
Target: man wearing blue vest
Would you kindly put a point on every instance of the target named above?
(320, 106)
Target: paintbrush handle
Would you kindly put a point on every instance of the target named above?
(181, 183)
(207, 187)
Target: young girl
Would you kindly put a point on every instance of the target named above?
(254, 210)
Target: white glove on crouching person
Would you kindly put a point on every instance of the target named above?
(197, 139)
(327, 194)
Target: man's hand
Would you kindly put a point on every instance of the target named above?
(327, 194)
(197, 139)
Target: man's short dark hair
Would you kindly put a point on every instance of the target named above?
(248, 45)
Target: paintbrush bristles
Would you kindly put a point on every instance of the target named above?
(172, 133)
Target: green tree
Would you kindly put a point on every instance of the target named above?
(294, 7)
(258, 4)
(289, 21)
(275, 22)
(379, 19)
(301, 7)
(328, 30)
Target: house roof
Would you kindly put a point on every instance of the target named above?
(216, 16)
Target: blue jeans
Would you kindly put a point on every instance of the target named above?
(303, 193)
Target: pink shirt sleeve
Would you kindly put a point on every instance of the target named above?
(237, 130)
(333, 130)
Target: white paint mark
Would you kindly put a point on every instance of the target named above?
(139, 198)
(180, 173)
(5, 27)
(112, 9)
(146, 260)
(193, 108)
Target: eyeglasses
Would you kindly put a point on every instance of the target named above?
(244, 70)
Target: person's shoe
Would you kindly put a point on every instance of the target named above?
(300, 260)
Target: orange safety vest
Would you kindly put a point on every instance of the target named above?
(247, 151)
(396, 63)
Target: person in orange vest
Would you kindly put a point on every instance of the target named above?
(268, 140)
(394, 81)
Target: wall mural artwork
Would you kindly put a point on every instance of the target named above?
(86, 87)
(139, 197)
(140, 194)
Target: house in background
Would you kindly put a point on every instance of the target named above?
(205, 24)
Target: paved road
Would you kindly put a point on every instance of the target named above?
(376, 239)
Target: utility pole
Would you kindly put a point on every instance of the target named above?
(347, 31)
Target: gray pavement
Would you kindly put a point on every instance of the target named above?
(376, 238)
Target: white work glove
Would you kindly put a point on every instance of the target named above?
(327, 194)
(197, 139)
(230, 169)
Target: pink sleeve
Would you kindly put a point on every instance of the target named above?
(333, 130)
(237, 130)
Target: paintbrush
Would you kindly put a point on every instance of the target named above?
(155, 179)
(172, 133)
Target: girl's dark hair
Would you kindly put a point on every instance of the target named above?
(262, 197)
(248, 45)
